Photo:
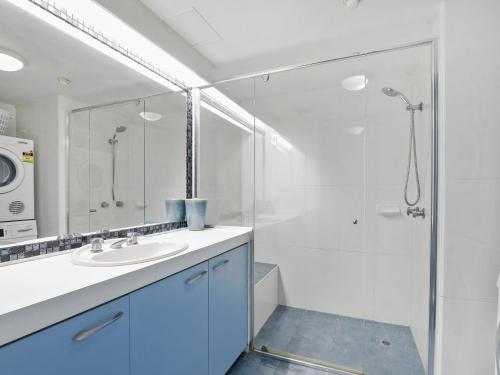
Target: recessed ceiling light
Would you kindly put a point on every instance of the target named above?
(355, 83)
(150, 116)
(64, 81)
(351, 4)
(10, 61)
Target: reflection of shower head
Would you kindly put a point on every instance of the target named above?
(119, 129)
(389, 91)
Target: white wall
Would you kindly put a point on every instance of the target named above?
(39, 122)
(44, 122)
(471, 259)
(11, 130)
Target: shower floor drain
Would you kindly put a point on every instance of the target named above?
(385, 342)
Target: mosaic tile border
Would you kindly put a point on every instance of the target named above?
(189, 145)
(19, 252)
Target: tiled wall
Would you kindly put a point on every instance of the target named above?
(471, 257)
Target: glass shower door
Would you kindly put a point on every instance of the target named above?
(309, 217)
(341, 272)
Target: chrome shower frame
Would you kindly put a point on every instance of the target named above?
(435, 162)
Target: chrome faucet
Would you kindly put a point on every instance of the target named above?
(130, 240)
(416, 212)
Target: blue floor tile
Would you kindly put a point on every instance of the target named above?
(342, 341)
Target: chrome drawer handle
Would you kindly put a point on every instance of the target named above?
(195, 278)
(82, 335)
(220, 264)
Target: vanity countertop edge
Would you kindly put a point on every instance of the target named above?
(43, 292)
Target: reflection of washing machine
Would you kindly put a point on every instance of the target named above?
(17, 200)
(17, 232)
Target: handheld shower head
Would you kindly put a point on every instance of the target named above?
(389, 91)
(119, 129)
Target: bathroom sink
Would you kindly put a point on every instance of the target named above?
(145, 251)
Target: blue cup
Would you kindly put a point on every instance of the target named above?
(196, 210)
(176, 210)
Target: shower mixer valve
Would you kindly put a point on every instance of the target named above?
(416, 212)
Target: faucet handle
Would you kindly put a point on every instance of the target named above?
(96, 244)
(132, 238)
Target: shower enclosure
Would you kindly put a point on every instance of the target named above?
(330, 167)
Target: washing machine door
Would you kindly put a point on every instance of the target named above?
(11, 171)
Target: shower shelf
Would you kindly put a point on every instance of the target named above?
(388, 210)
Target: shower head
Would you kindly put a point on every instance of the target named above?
(389, 91)
(119, 129)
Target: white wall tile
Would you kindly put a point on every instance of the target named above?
(469, 337)
(473, 209)
(321, 220)
(387, 234)
(471, 269)
(390, 278)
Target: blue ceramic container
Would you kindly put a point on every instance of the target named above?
(196, 210)
(176, 210)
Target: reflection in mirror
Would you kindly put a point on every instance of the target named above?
(165, 153)
(125, 160)
(227, 152)
(57, 75)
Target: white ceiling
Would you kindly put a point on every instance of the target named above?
(95, 78)
(231, 30)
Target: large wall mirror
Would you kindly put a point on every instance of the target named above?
(70, 161)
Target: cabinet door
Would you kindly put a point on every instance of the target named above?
(95, 342)
(169, 325)
(228, 303)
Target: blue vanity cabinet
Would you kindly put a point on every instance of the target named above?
(228, 308)
(169, 325)
(95, 342)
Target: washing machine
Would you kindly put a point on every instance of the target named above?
(17, 185)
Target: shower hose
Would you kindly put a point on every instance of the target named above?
(412, 154)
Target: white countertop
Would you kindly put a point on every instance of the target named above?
(37, 294)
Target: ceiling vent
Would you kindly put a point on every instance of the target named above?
(193, 27)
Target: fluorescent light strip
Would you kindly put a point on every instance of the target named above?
(92, 13)
(108, 29)
(226, 117)
(72, 30)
